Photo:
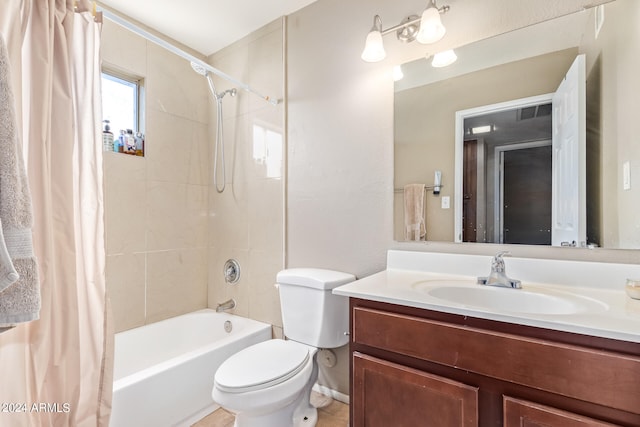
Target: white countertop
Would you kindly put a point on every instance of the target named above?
(613, 314)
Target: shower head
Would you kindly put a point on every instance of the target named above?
(199, 69)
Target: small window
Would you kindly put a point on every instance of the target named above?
(121, 103)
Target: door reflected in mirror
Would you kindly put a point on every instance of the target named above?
(506, 204)
(506, 194)
(511, 177)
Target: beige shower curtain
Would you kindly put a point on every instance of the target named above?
(59, 369)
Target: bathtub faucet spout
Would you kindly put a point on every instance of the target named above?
(227, 305)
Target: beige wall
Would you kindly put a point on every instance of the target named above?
(156, 206)
(246, 220)
(628, 105)
(610, 62)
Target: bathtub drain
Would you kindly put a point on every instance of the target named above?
(228, 326)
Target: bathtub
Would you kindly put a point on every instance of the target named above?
(163, 372)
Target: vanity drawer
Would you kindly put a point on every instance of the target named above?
(601, 377)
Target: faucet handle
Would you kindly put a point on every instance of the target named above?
(497, 264)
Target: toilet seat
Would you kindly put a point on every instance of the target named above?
(261, 366)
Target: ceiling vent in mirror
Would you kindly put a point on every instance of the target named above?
(534, 111)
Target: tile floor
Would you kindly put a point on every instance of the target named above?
(331, 413)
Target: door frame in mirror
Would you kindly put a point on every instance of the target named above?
(460, 117)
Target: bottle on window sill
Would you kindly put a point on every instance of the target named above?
(107, 137)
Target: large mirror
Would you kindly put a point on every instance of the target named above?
(488, 123)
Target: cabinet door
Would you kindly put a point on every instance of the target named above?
(520, 413)
(387, 394)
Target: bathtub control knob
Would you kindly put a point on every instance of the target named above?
(231, 271)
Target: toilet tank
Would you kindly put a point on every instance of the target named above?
(311, 314)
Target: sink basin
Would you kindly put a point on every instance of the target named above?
(533, 301)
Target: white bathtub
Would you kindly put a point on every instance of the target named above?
(163, 372)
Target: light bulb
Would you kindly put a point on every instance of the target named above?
(431, 28)
(397, 73)
(373, 48)
(442, 59)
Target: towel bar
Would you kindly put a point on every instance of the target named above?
(426, 188)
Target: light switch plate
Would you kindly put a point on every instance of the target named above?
(626, 176)
(445, 202)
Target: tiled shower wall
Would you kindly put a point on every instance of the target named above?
(156, 206)
(246, 220)
(168, 232)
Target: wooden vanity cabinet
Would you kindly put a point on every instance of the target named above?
(415, 367)
(392, 395)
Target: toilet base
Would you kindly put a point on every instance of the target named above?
(305, 415)
(298, 414)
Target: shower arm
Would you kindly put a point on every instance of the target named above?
(163, 43)
(225, 76)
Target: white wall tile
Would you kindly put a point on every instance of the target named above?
(264, 299)
(123, 50)
(157, 205)
(125, 203)
(176, 283)
(126, 289)
(246, 221)
(178, 149)
(173, 87)
(177, 216)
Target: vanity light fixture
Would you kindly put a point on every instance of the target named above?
(431, 28)
(443, 59)
(373, 48)
(426, 29)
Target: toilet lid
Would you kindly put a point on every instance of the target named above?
(261, 365)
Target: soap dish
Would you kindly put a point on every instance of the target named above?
(633, 288)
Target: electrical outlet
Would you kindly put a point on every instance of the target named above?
(445, 202)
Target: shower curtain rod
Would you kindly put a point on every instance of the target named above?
(163, 43)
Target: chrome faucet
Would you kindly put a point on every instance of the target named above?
(498, 277)
(227, 305)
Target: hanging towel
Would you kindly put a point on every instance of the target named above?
(414, 226)
(19, 284)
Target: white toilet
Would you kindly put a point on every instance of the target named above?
(269, 384)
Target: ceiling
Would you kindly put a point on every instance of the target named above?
(205, 25)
